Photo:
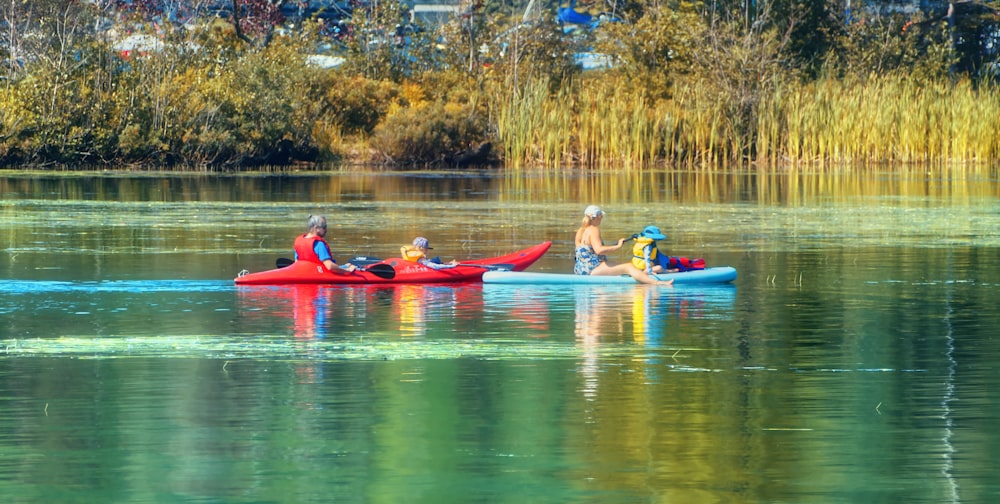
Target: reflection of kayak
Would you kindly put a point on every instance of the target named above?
(400, 271)
(720, 274)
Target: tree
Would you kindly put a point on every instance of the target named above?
(254, 21)
(976, 36)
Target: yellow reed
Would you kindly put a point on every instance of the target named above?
(876, 119)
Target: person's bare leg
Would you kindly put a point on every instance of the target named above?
(627, 269)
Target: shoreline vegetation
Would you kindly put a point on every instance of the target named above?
(689, 87)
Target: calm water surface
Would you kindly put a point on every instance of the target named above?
(852, 360)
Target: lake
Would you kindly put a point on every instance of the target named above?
(851, 361)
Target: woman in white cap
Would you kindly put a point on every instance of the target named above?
(590, 251)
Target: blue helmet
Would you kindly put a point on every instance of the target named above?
(653, 233)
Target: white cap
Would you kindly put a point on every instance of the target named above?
(593, 211)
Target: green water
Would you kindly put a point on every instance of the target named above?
(851, 361)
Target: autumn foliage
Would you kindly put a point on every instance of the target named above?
(237, 83)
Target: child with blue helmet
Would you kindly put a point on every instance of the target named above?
(645, 254)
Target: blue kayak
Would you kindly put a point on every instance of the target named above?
(716, 275)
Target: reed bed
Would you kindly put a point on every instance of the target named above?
(531, 125)
(881, 120)
(868, 121)
(614, 130)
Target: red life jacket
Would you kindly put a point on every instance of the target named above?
(304, 250)
(685, 264)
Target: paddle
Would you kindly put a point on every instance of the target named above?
(284, 262)
(492, 267)
(364, 260)
(380, 270)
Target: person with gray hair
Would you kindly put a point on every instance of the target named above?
(312, 247)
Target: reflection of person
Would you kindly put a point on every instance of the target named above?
(590, 251)
(589, 321)
(411, 301)
(645, 254)
(417, 252)
(647, 324)
(310, 310)
(312, 247)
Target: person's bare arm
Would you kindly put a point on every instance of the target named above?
(598, 245)
(347, 269)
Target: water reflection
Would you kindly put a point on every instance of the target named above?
(588, 329)
(307, 311)
(415, 305)
(604, 317)
(321, 311)
(308, 307)
(636, 309)
(794, 186)
(791, 186)
(49, 309)
(512, 318)
(947, 439)
(644, 324)
(855, 362)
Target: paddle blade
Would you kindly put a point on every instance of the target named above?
(491, 267)
(382, 271)
(502, 267)
(283, 262)
(362, 261)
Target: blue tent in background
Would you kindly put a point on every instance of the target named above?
(571, 20)
(569, 15)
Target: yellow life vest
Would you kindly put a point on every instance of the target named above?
(411, 253)
(638, 255)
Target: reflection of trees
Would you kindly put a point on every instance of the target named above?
(785, 186)
(794, 186)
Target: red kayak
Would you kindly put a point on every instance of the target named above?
(397, 271)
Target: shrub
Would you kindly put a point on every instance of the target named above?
(436, 133)
(357, 104)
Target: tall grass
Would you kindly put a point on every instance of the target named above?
(615, 129)
(594, 126)
(531, 124)
(889, 119)
(879, 119)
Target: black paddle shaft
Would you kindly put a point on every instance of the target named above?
(284, 262)
(380, 270)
